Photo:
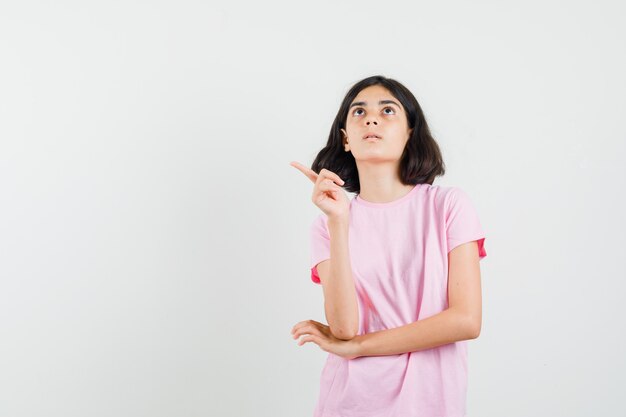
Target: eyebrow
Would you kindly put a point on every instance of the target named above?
(362, 103)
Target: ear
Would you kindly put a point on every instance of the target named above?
(344, 140)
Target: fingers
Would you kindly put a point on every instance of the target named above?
(308, 329)
(304, 323)
(306, 171)
(300, 324)
(328, 185)
(324, 173)
(312, 338)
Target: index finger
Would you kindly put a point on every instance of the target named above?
(305, 170)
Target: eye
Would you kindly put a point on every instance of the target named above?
(386, 108)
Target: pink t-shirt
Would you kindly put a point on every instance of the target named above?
(399, 256)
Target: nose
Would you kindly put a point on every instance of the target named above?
(373, 121)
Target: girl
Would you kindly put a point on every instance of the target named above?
(398, 263)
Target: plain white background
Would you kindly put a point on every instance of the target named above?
(154, 242)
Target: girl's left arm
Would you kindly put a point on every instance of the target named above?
(460, 321)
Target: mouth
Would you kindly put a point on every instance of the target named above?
(371, 136)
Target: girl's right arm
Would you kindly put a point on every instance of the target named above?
(340, 299)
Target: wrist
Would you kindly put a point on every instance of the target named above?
(356, 347)
(338, 221)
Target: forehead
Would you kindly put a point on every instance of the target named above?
(373, 94)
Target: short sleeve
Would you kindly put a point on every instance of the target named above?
(320, 245)
(462, 222)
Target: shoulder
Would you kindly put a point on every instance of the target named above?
(448, 198)
(442, 194)
(321, 218)
(320, 224)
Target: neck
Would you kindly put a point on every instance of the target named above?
(380, 183)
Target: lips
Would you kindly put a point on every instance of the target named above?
(371, 135)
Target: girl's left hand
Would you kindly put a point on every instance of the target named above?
(320, 334)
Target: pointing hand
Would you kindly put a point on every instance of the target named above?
(327, 193)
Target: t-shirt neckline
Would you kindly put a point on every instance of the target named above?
(405, 197)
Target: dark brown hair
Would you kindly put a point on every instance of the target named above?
(421, 160)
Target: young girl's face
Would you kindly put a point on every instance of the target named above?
(375, 110)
